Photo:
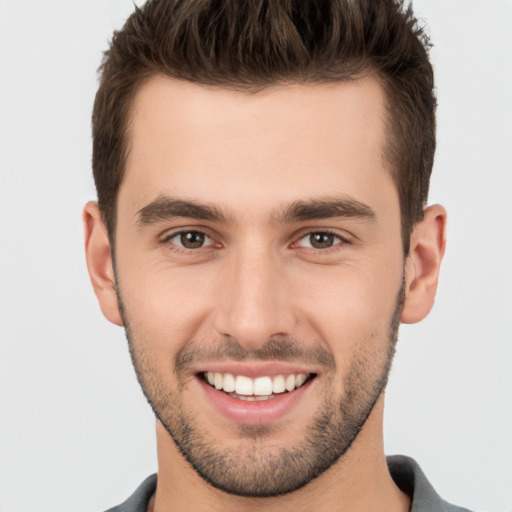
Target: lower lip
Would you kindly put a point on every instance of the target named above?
(258, 412)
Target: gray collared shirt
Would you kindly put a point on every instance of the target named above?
(405, 472)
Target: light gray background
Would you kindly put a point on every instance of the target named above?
(75, 431)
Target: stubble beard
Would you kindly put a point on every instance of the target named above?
(254, 470)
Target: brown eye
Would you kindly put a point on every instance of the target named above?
(190, 239)
(320, 240)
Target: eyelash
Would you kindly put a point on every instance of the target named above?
(180, 248)
(336, 246)
(167, 240)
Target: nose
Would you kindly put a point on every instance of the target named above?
(254, 303)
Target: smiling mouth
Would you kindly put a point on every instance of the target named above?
(258, 389)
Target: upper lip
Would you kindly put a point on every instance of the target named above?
(255, 369)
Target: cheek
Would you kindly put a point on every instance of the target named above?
(164, 306)
(350, 305)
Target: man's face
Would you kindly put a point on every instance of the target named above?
(257, 245)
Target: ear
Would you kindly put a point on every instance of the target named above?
(428, 243)
(99, 263)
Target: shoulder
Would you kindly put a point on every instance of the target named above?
(138, 501)
(408, 475)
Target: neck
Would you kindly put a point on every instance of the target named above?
(359, 481)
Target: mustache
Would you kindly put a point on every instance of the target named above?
(275, 349)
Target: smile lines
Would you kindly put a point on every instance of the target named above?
(260, 388)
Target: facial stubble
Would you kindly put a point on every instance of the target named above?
(252, 470)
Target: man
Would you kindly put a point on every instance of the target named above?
(262, 171)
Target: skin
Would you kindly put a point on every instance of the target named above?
(257, 277)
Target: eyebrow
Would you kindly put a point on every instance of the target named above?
(165, 208)
(317, 209)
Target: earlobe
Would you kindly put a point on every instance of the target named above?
(428, 242)
(99, 263)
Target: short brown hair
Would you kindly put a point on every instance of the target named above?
(252, 44)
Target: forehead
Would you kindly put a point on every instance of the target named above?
(283, 142)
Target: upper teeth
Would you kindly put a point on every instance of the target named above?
(242, 385)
